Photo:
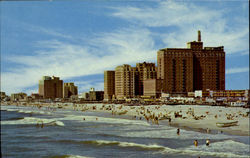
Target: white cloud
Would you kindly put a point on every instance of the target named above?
(187, 18)
(84, 86)
(237, 70)
(68, 60)
(46, 31)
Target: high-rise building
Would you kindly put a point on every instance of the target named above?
(124, 81)
(109, 85)
(193, 68)
(129, 80)
(69, 89)
(51, 88)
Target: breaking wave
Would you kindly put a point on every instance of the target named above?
(166, 150)
(223, 146)
(170, 132)
(105, 120)
(33, 120)
(70, 156)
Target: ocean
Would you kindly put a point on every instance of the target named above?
(29, 132)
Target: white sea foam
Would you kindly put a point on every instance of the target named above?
(78, 156)
(223, 146)
(126, 144)
(166, 150)
(12, 109)
(33, 120)
(25, 110)
(4, 107)
(105, 120)
(170, 132)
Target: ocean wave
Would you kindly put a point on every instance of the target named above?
(34, 112)
(70, 156)
(203, 153)
(122, 144)
(25, 110)
(170, 132)
(33, 120)
(16, 118)
(163, 149)
(105, 120)
(223, 146)
(12, 109)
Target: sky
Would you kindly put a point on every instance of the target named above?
(78, 40)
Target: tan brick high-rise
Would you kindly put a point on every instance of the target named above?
(51, 88)
(129, 80)
(124, 81)
(192, 68)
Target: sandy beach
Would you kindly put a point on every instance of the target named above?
(193, 117)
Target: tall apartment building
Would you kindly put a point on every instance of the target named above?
(192, 68)
(109, 85)
(51, 88)
(129, 80)
(124, 81)
(69, 89)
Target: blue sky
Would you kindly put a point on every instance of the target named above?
(78, 40)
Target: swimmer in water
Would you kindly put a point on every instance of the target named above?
(207, 142)
(195, 143)
(178, 131)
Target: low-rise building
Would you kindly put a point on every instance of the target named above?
(18, 96)
(2, 94)
(95, 95)
(69, 89)
(36, 96)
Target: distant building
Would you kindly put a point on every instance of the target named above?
(244, 94)
(84, 96)
(69, 89)
(18, 96)
(193, 68)
(36, 96)
(96, 95)
(2, 95)
(51, 88)
(109, 84)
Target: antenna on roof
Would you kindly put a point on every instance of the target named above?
(199, 36)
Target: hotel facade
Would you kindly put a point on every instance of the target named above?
(178, 71)
(193, 68)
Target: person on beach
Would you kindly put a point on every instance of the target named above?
(178, 131)
(195, 143)
(208, 130)
(207, 142)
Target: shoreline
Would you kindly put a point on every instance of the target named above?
(205, 114)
